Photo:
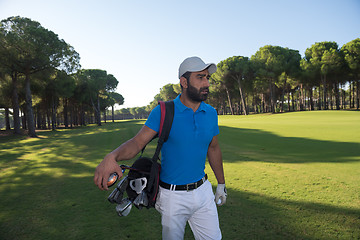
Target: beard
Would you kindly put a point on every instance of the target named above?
(197, 95)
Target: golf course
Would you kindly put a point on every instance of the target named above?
(289, 176)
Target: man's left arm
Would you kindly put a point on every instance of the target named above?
(215, 161)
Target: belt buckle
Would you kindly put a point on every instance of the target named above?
(187, 187)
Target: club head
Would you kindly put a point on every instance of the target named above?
(113, 195)
(117, 194)
(141, 200)
(123, 209)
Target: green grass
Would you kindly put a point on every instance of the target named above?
(289, 176)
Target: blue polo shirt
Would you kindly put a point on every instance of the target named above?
(183, 155)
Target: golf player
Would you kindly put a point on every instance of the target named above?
(185, 194)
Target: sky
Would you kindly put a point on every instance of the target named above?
(142, 43)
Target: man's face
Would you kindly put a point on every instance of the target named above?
(198, 86)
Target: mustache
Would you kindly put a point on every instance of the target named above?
(204, 89)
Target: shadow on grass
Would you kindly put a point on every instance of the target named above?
(48, 192)
(253, 216)
(256, 145)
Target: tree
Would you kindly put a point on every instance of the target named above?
(168, 92)
(32, 48)
(5, 92)
(222, 79)
(238, 68)
(326, 60)
(115, 98)
(217, 96)
(310, 77)
(9, 69)
(351, 52)
(58, 85)
(291, 71)
(96, 83)
(270, 63)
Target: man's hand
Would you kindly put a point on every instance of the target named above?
(104, 170)
(220, 195)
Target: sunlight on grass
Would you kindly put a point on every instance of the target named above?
(319, 125)
(289, 176)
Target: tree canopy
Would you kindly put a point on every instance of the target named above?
(43, 86)
(45, 76)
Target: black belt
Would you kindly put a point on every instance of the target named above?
(187, 187)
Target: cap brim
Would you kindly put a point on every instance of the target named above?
(210, 66)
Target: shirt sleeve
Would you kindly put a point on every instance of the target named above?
(153, 120)
(216, 127)
(216, 130)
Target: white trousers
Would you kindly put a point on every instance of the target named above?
(197, 207)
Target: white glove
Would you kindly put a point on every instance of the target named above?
(220, 195)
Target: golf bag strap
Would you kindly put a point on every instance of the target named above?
(166, 119)
(167, 116)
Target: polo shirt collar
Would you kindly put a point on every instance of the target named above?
(182, 107)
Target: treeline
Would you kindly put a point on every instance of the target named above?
(41, 83)
(278, 79)
(43, 86)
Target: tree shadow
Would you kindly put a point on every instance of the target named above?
(256, 145)
(56, 197)
(253, 216)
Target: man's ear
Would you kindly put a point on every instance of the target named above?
(183, 82)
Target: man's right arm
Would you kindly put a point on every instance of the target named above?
(126, 151)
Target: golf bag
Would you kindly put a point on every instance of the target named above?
(145, 172)
(142, 181)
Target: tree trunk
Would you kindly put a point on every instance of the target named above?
(71, 114)
(357, 94)
(7, 118)
(98, 111)
(15, 104)
(283, 96)
(53, 115)
(254, 104)
(30, 114)
(24, 126)
(229, 100)
(272, 96)
(47, 119)
(262, 103)
(311, 99)
(288, 98)
(38, 118)
(83, 116)
(353, 95)
(112, 112)
(337, 97)
(325, 93)
(319, 98)
(301, 100)
(350, 95)
(66, 117)
(242, 96)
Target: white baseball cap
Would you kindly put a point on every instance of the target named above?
(195, 64)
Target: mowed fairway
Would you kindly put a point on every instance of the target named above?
(289, 176)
